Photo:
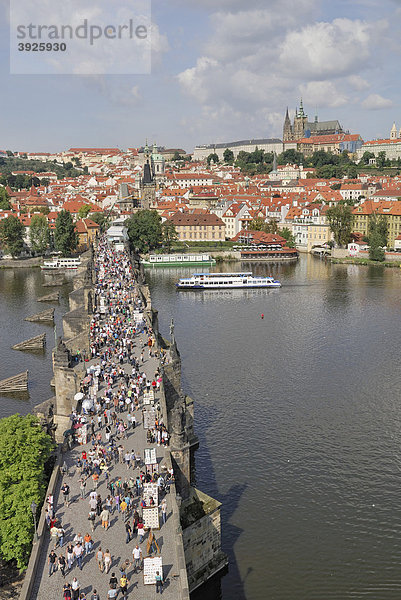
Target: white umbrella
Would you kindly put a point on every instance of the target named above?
(79, 396)
(87, 404)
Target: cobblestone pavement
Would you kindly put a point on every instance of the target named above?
(75, 519)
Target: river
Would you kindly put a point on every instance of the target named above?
(299, 422)
(19, 289)
(298, 416)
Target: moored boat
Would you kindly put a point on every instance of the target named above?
(206, 281)
(61, 264)
(178, 260)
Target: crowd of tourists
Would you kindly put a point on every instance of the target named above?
(113, 392)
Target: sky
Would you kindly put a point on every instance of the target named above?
(221, 70)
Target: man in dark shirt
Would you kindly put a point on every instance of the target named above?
(52, 562)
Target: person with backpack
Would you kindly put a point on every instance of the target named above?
(113, 581)
(91, 518)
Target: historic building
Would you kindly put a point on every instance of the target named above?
(148, 183)
(302, 128)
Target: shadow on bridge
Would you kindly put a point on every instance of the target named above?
(224, 584)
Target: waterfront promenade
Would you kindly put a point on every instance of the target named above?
(74, 518)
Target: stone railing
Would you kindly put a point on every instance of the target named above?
(37, 547)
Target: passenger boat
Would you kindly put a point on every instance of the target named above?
(178, 260)
(207, 281)
(60, 264)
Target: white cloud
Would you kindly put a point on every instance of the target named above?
(325, 50)
(322, 94)
(376, 102)
(257, 60)
(357, 82)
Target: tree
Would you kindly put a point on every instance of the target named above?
(20, 181)
(228, 156)
(177, 156)
(102, 220)
(65, 236)
(213, 157)
(12, 235)
(381, 159)
(169, 234)
(84, 211)
(4, 199)
(378, 224)
(258, 224)
(39, 234)
(376, 250)
(45, 181)
(377, 237)
(286, 233)
(366, 158)
(340, 219)
(9, 153)
(144, 230)
(24, 451)
(290, 156)
(352, 171)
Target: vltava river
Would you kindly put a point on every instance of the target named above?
(299, 420)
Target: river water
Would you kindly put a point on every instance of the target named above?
(299, 421)
(19, 289)
(298, 416)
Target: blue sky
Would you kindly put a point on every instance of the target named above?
(221, 70)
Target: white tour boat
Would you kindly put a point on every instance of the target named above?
(227, 281)
(60, 264)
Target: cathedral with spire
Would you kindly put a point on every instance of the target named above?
(301, 127)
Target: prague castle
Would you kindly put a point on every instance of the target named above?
(302, 128)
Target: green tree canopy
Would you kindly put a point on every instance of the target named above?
(39, 234)
(290, 156)
(144, 230)
(259, 224)
(378, 229)
(228, 156)
(169, 234)
(102, 220)
(366, 158)
(12, 235)
(381, 159)
(340, 219)
(24, 451)
(213, 157)
(4, 199)
(84, 211)
(376, 250)
(65, 236)
(286, 233)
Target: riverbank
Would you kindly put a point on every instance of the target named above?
(21, 263)
(365, 262)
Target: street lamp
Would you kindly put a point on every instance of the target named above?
(34, 506)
